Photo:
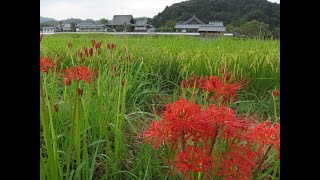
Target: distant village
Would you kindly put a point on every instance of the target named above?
(126, 23)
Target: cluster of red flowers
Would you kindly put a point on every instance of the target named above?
(96, 45)
(46, 64)
(194, 159)
(238, 163)
(111, 46)
(78, 73)
(265, 135)
(88, 52)
(193, 132)
(223, 89)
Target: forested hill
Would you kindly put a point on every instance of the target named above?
(231, 12)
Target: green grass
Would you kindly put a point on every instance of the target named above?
(98, 135)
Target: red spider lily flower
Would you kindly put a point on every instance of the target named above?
(98, 45)
(184, 84)
(212, 83)
(78, 73)
(90, 51)
(56, 107)
(111, 46)
(181, 117)
(79, 54)
(41, 38)
(264, 134)
(179, 123)
(80, 92)
(194, 159)
(238, 163)
(156, 134)
(86, 52)
(220, 119)
(129, 58)
(277, 138)
(93, 42)
(276, 93)
(46, 64)
(114, 68)
(225, 90)
(191, 80)
(70, 45)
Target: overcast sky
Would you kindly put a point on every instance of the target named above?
(97, 9)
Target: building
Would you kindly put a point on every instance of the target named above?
(213, 29)
(49, 30)
(142, 25)
(192, 25)
(122, 23)
(90, 27)
(66, 27)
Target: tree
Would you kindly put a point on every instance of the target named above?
(170, 24)
(103, 21)
(73, 26)
(255, 29)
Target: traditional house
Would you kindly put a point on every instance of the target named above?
(122, 23)
(66, 27)
(213, 29)
(49, 29)
(192, 25)
(90, 27)
(142, 25)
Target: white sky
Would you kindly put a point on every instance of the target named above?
(97, 9)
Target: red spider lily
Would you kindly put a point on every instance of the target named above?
(212, 83)
(70, 45)
(194, 159)
(114, 68)
(191, 80)
(129, 58)
(178, 123)
(56, 107)
(86, 52)
(194, 81)
(181, 117)
(221, 89)
(90, 51)
(221, 117)
(276, 93)
(46, 64)
(98, 45)
(238, 163)
(264, 134)
(156, 134)
(79, 54)
(78, 73)
(93, 42)
(184, 84)
(80, 92)
(111, 46)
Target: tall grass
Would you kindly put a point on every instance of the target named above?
(98, 135)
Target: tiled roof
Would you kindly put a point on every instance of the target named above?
(121, 19)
